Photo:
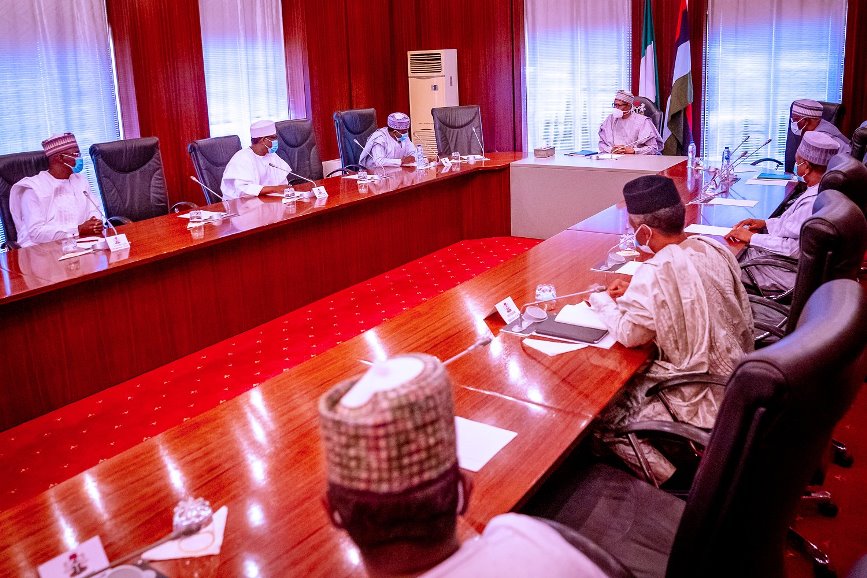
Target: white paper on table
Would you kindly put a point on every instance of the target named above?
(708, 230)
(771, 182)
(629, 268)
(206, 542)
(580, 314)
(369, 178)
(733, 202)
(207, 215)
(479, 442)
(606, 342)
(552, 348)
(75, 254)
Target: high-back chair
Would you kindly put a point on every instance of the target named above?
(130, 177)
(298, 148)
(859, 142)
(13, 168)
(458, 129)
(210, 157)
(652, 112)
(351, 126)
(774, 424)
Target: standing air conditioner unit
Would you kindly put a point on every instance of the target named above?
(433, 82)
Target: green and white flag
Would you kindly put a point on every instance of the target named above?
(648, 80)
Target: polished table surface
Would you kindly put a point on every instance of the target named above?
(260, 453)
(615, 219)
(190, 289)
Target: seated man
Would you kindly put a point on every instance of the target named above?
(687, 299)
(249, 172)
(781, 235)
(626, 132)
(389, 146)
(395, 486)
(54, 204)
(807, 117)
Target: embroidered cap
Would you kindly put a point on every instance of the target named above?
(649, 194)
(398, 121)
(806, 108)
(624, 96)
(817, 147)
(262, 128)
(392, 429)
(60, 143)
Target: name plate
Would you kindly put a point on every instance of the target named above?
(508, 310)
(320, 192)
(117, 242)
(447, 163)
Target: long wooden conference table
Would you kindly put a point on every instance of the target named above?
(260, 453)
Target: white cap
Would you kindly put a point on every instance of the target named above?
(262, 128)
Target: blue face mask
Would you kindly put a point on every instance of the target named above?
(274, 144)
(402, 136)
(78, 166)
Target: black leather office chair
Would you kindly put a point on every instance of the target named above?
(130, 177)
(775, 422)
(13, 168)
(847, 175)
(298, 148)
(210, 157)
(453, 129)
(651, 111)
(859, 142)
(832, 112)
(351, 126)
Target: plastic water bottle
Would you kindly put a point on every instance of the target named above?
(726, 164)
(690, 152)
(419, 156)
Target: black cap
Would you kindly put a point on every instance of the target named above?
(649, 194)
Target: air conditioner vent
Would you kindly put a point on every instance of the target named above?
(425, 63)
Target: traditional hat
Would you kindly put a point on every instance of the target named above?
(649, 194)
(60, 143)
(807, 108)
(262, 128)
(624, 96)
(398, 121)
(392, 429)
(817, 147)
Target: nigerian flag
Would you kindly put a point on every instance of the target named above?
(648, 79)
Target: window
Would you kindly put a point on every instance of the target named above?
(760, 56)
(56, 75)
(578, 55)
(245, 64)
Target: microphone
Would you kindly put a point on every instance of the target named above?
(318, 190)
(595, 288)
(478, 140)
(757, 149)
(210, 190)
(99, 209)
(480, 342)
(355, 140)
(746, 138)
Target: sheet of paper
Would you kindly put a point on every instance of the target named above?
(75, 254)
(708, 230)
(580, 314)
(87, 557)
(733, 202)
(552, 348)
(479, 442)
(206, 542)
(210, 214)
(629, 268)
(768, 182)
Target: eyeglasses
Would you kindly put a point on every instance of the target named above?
(75, 156)
(621, 105)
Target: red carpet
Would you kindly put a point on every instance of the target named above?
(50, 449)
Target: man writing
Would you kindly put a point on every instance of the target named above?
(54, 204)
(390, 145)
(687, 299)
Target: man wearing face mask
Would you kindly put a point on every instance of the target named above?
(781, 235)
(626, 132)
(389, 146)
(52, 205)
(807, 117)
(249, 172)
(687, 299)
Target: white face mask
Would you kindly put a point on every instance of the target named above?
(796, 130)
(645, 248)
(797, 173)
(617, 113)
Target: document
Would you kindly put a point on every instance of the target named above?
(733, 202)
(768, 182)
(629, 268)
(708, 230)
(479, 442)
(552, 348)
(580, 314)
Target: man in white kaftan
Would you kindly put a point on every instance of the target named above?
(625, 131)
(689, 301)
(250, 171)
(390, 145)
(807, 117)
(54, 204)
(782, 235)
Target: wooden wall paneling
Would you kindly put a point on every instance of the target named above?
(519, 96)
(327, 57)
(371, 61)
(297, 66)
(161, 46)
(405, 25)
(854, 77)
